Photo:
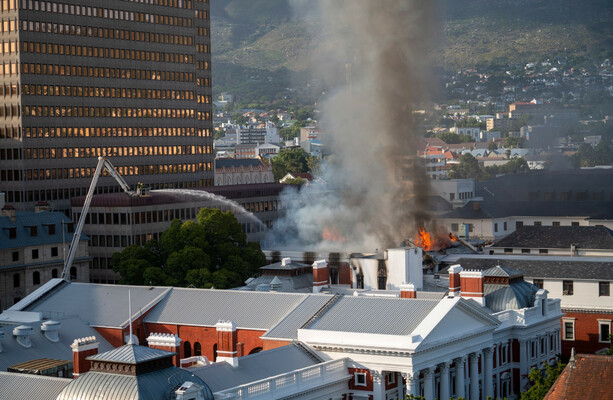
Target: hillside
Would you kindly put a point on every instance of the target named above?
(260, 37)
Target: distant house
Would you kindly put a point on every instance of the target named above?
(307, 176)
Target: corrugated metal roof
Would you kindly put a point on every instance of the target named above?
(70, 329)
(14, 386)
(100, 305)
(205, 307)
(287, 284)
(151, 386)
(388, 316)
(514, 296)
(38, 293)
(502, 272)
(23, 222)
(288, 327)
(222, 376)
(131, 354)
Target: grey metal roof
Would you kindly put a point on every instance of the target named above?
(131, 354)
(546, 267)
(288, 284)
(14, 386)
(43, 290)
(288, 327)
(205, 307)
(154, 385)
(70, 329)
(559, 237)
(388, 316)
(23, 220)
(221, 376)
(502, 272)
(99, 305)
(514, 296)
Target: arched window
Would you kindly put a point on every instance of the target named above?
(197, 349)
(36, 278)
(187, 350)
(16, 280)
(73, 273)
(256, 350)
(54, 273)
(215, 352)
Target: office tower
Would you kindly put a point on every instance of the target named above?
(126, 79)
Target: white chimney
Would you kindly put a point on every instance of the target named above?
(51, 329)
(22, 334)
(286, 261)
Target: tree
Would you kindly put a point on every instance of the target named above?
(290, 160)
(212, 251)
(542, 379)
(513, 142)
(491, 146)
(468, 168)
(295, 181)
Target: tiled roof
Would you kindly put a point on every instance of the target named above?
(205, 307)
(251, 368)
(15, 386)
(42, 221)
(589, 378)
(558, 237)
(546, 267)
(388, 316)
(99, 305)
(131, 354)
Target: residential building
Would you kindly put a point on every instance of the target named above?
(231, 171)
(116, 220)
(32, 250)
(455, 191)
(129, 80)
(583, 378)
(474, 132)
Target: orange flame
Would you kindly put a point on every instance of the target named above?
(332, 235)
(453, 237)
(423, 239)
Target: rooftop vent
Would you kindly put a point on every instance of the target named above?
(275, 284)
(262, 287)
(22, 334)
(51, 329)
(286, 261)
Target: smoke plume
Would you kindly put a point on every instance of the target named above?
(376, 56)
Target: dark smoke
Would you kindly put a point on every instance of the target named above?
(376, 190)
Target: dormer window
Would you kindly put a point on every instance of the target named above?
(33, 231)
(12, 233)
(51, 229)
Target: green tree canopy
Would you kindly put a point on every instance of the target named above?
(293, 160)
(542, 380)
(454, 138)
(212, 251)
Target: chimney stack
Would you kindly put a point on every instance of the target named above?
(471, 285)
(454, 280)
(407, 291)
(167, 342)
(81, 349)
(321, 275)
(476, 205)
(226, 342)
(42, 206)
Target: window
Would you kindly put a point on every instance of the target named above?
(197, 349)
(555, 223)
(36, 278)
(187, 350)
(604, 331)
(604, 289)
(525, 251)
(505, 226)
(15, 256)
(34, 254)
(54, 273)
(537, 223)
(508, 250)
(360, 379)
(569, 329)
(574, 224)
(391, 378)
(495, 226)
(543, 345)
(533, 352)
(504, 354)
(518, 224)
(16, 280)
(567, 288)
(538, 283)
(54, 252)
(73, 273)
(543, 251)
(454, 227)
(552, 342)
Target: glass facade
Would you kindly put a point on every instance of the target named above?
(124, 79)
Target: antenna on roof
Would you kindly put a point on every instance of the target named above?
(130, 317)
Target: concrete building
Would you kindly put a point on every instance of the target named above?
(255, 135)
(128, 80)
(32, 248)
(455, 191)
(231, 171)
(116, 220)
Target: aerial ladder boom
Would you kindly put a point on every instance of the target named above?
(103, 163)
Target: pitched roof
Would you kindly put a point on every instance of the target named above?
(502, 271)
(16, 386)
(559, 237)
(251, 368)
(42, 221)
(546, 267)
(238, 163)
(98, 304)
(288, 327)
(500, 209)
(131, 354)
(589, 378)
(205, 307)
(388, 316)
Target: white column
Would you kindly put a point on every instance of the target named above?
(474, 376)
(429, 383)
(411, 383)
(378, 385)
(444, 369)
(460, 386)
(488, 372)
(523, 363)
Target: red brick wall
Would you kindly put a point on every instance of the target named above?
(79, 364)
(112, 335)
(586, 333)
(273, 344)
(369, 382)
(389, 385)
(471, 285)
(408, 294)
(321, 275)
(345, 276)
